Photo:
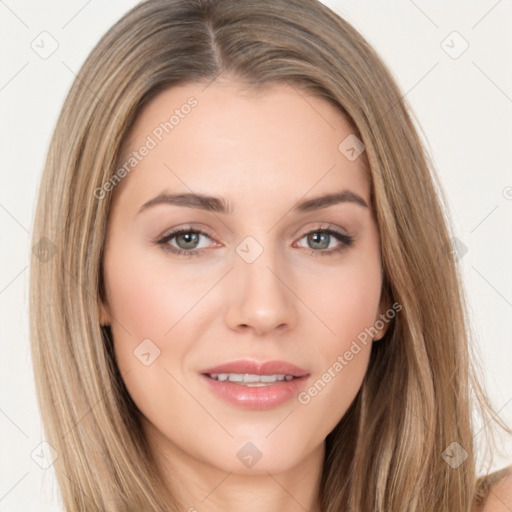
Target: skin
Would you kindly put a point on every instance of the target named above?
(500, 495)
(262, 152)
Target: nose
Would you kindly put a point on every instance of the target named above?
(261, 297)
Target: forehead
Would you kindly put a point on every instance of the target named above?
(220, 137)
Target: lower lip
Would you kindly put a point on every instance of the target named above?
(258, 397)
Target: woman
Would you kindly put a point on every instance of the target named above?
(254, 297)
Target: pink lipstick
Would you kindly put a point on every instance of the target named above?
(255, 385)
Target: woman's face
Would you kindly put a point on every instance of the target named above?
(259, 276)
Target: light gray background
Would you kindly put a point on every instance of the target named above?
(463, 104)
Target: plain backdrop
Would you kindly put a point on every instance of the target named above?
(452, 61)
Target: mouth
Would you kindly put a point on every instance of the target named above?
(255, 385)
(251, 371)
(251, 380)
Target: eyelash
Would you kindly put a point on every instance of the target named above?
(347, 241)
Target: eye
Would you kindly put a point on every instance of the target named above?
(320, 239)
(187, 241)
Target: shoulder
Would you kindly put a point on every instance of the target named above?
(499, 493)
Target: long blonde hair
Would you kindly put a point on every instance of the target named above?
(417, 398)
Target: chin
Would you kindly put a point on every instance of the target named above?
(256, 455)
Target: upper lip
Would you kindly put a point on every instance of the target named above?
(254, 367)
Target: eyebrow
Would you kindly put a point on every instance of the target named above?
(219, 205)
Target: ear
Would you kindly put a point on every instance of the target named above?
(104, 313)
(385, 314)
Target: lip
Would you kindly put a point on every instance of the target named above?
(257, 368)
(259, 397)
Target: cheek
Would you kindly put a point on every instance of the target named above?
(156, 315)
(342, 357)
(144, 306)
(146, 299)
(348, 306)
(345, 301)
(137, 303)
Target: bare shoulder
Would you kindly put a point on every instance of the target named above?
(499, 498)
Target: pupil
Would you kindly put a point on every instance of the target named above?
(316, 238)
(189, 238)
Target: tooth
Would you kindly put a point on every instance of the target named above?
(250, 378)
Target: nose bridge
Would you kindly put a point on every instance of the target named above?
(256, 263)
(262, 300)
